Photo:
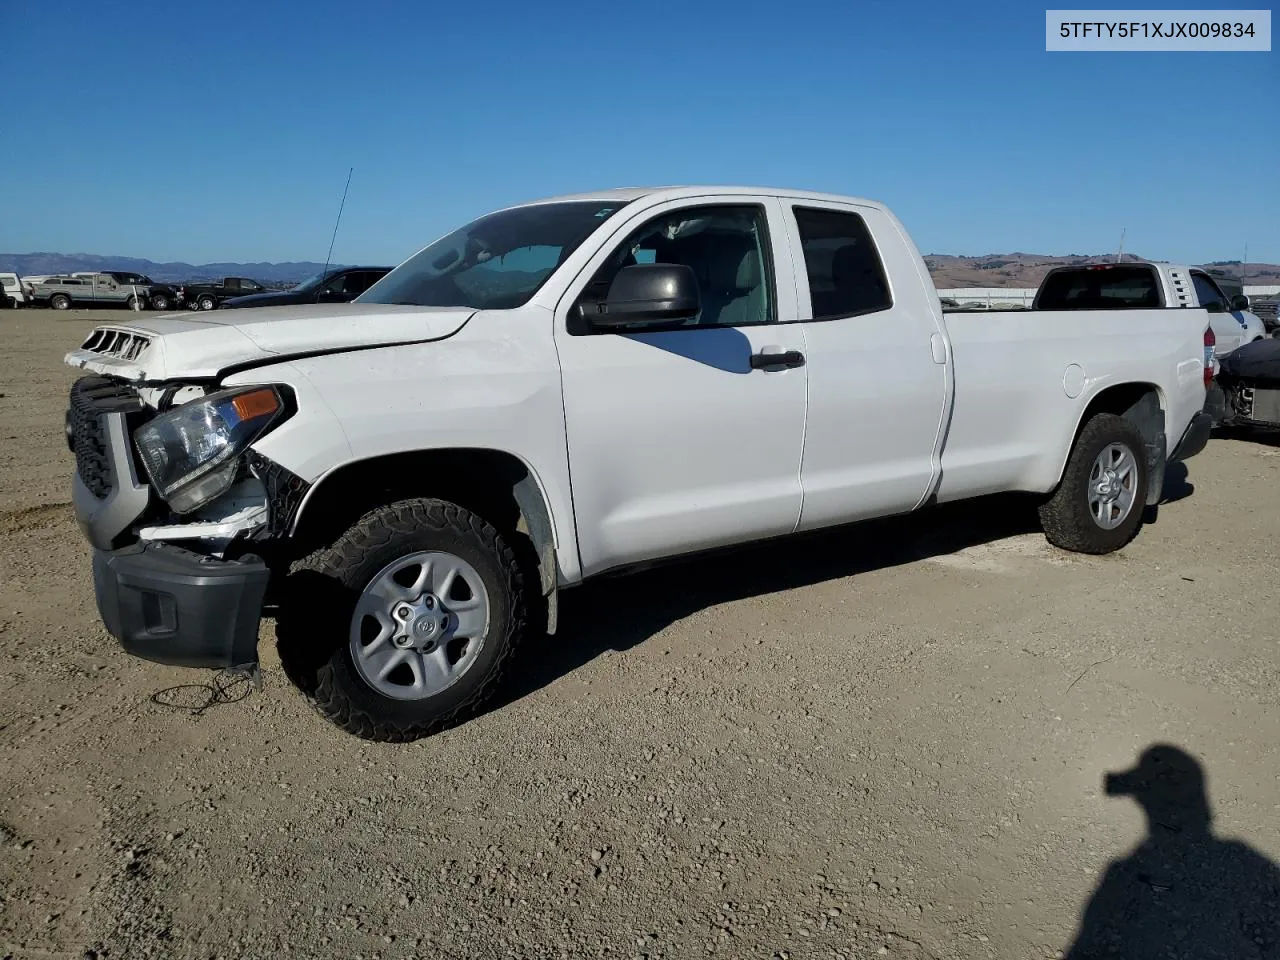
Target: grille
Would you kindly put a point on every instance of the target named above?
(120, 344)
(1266, 405)
(92, 398)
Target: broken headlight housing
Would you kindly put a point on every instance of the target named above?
(191, 453)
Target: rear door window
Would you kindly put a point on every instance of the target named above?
(846, 276)
(1207, 292)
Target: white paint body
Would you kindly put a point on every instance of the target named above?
(653, 445)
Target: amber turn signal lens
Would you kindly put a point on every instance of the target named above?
(258, 403)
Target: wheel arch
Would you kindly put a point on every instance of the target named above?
(1142, 404)
(494, 484)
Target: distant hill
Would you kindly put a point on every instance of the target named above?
(272, 274)
(989, 270)
(1028, 269)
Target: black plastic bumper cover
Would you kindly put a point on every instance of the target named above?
(173, 606)
(1215, 404)
(1195, 438)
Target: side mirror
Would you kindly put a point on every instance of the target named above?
(1239, 302)
(654, 294)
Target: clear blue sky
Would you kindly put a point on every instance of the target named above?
(204, 131)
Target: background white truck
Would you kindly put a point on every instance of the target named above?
(1125, 286)
(571, 387)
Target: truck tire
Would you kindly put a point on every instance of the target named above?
(1098, 506)
(159, 301)
(403, 627)
(60, 301)
(206, 302)
(134, 302)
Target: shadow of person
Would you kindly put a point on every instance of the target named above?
(1182, 892)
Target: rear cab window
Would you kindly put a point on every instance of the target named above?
(1101, 287)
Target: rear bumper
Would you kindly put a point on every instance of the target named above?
(173, 606)
(1194, 439)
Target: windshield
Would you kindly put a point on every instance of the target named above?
(310, 282)
(495, 263)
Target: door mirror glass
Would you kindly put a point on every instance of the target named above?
(1239, 303)
(652, 294)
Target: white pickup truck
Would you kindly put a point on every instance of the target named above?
(571, 387)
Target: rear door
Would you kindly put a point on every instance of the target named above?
(878, 377)
(676, 441)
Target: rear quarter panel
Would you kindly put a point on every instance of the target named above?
(1024, 380)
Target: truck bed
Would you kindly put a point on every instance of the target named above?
(1020, 376)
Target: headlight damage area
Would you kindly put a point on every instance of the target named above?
(178, 565)
(190, 452)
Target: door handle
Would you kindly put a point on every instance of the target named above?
(770, 357)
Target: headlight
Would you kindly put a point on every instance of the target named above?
(190, 452)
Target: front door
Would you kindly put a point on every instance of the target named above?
(677, 442)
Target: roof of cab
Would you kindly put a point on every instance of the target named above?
(627, 194)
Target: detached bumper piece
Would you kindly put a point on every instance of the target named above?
(1195, 438)
(173, 606)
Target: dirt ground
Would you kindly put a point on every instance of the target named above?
(886, 741)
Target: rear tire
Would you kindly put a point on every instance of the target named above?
(60, 301)
(1109, 456)
(334, 638)
(159, 302)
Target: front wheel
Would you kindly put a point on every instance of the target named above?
(404, 626)
(206, 303)
(1098, 506)
(159, 302)
(60, 301)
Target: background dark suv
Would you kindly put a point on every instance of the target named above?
(338, 285)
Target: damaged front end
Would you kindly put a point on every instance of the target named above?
(182, 514)
(1249, 381)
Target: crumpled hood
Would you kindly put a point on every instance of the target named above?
(200, 345)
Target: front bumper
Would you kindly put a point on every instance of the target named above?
(173, 606)
(1194, 438)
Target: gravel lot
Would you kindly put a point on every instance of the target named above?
(885, 741)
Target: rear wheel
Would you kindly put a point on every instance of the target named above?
(1098, 506)
(134, 302)
(60, 301)
(403, 627)
(159, 302)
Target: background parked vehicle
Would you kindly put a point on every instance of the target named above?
(104, 288)
(1126, 286)
(336, 286)
(1246, 392)
(207, 296)
(61, 293)
(12, 290)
